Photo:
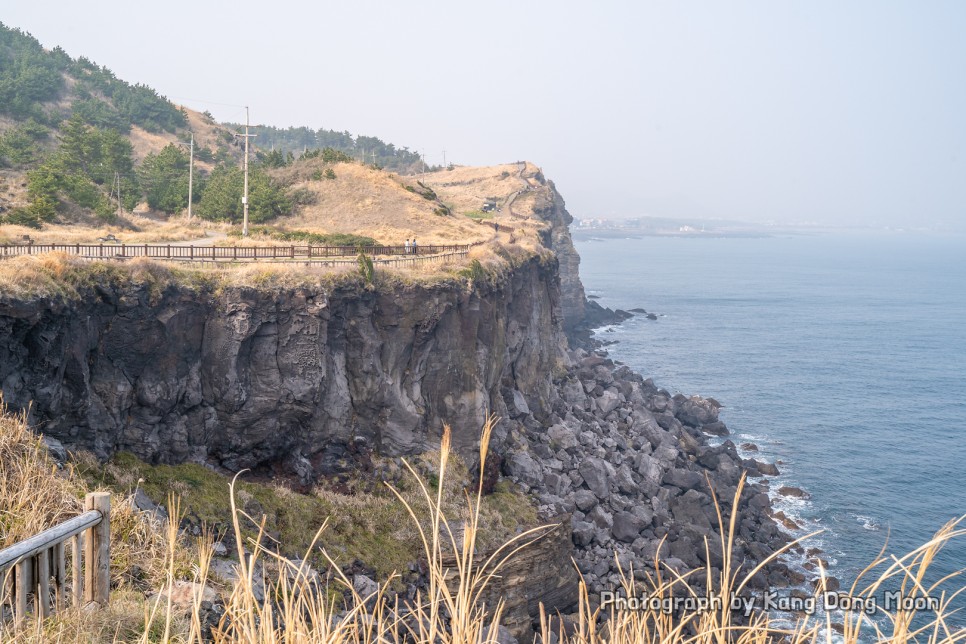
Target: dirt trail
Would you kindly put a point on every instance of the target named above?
(209, 239)
(522, 166)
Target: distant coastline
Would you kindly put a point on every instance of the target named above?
(594, 229)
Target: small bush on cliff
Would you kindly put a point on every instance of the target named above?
(475, 272)
(366, 269)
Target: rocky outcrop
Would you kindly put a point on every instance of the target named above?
(308, 381)
(550, 207)
(635, 468)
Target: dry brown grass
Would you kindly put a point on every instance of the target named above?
(466, 188)
(131, 229)
(300, 607)
(36, 493)
(59, 275)
(365, 201)
(451, 611)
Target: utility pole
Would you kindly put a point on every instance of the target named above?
(191, 172)
(245, 198)
(444, 159)
(373, 156)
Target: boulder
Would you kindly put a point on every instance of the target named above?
(364, 586)
(183, 595)
(625, 480)
(768, 469)
(695, 411)
(608, 402)
(627, 527)
(144, 503)
(521, 466)
(585, 500)
(56, 449)
(650, 470)
(601, 518)
(562, 436)
(716, 428)
(520, 403)
(583, 532)
(597, 474)
(795, 492)
(689, 509)
(684, 479)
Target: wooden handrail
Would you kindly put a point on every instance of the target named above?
(213, 252)
(27, 567)
(48, 538)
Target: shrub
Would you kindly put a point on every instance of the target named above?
(366, 269)
(303, 197)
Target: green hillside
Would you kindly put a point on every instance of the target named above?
(79, 144)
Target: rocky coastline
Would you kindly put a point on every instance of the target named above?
(633, 467)
(301, 381)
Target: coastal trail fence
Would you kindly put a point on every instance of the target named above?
(419, 260)
(36, 569)
(224, 253)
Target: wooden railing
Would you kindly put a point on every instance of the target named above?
(215, 253)
(36, 568)
(331, 263)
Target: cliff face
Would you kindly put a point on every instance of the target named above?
(551, 208)
(246, 378)
(307, 382)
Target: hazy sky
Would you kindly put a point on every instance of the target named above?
(819, 111)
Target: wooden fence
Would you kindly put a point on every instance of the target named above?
(36, 568)
(214, 253)
(420, 260)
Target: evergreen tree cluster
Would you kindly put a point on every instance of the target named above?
(295, 142)
(33, 81)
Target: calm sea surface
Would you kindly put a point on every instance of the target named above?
(844, 357)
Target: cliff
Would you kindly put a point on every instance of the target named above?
(549, 206)
(243, 378)
(307, 381)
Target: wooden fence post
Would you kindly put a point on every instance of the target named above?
(97, 551)
(24, 577)
(42, 585)
(77, 550)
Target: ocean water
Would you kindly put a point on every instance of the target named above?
(841, 356)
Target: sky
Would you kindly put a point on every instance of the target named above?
(819, 112)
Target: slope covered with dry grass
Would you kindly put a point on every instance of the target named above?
(366, 201)
(270, 598)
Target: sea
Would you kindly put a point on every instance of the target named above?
(842, 356)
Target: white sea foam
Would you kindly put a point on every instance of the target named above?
(869, 523)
